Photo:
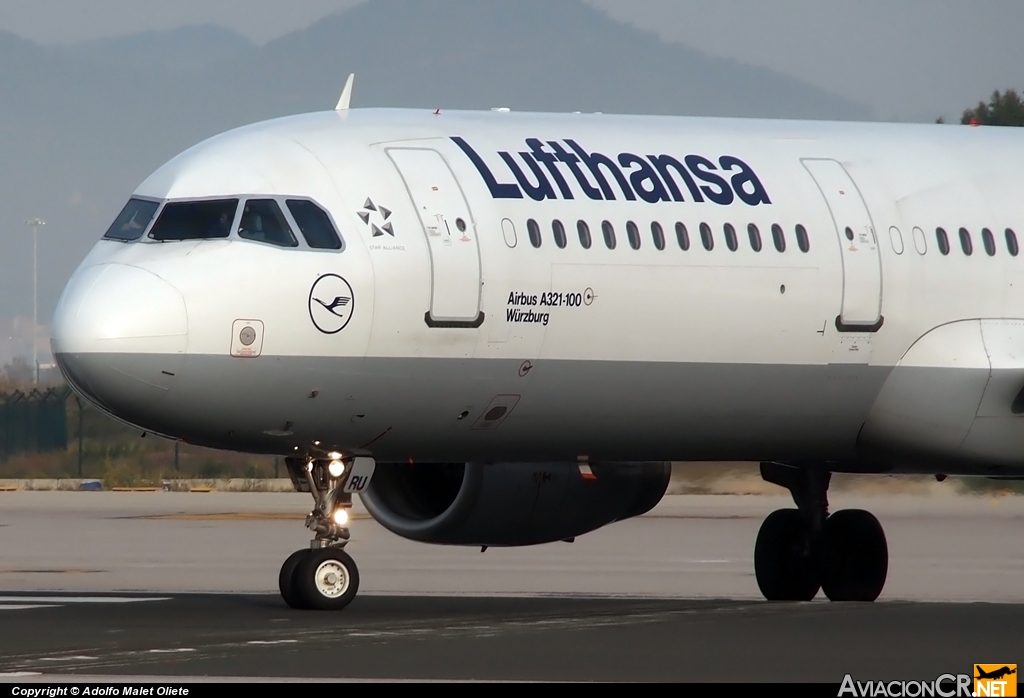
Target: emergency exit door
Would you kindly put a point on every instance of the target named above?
(455, 276)
(861, 309)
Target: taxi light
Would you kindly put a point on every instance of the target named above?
(341, 517)
(336, 468)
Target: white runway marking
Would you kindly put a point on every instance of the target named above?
(80, 599)
(26, 603)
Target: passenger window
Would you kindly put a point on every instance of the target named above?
(965, 242)
(682, 237)
(730, 237)
(755, 237)
(896, 240)
(658, 234)
(609, 235)
(802, 240)
(633, 233)
(779, 237)
(133, 220)
(943, 240)
(584, 230)
(533, 231)
(706, 237)
(989, 241)
(1011, 243)
(314, 224)
(558, 230)
(263, 221)
(195, 220)
(920, 242)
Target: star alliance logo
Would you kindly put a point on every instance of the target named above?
(371, 210)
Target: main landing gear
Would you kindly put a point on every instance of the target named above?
(802, 550)
(324, 577)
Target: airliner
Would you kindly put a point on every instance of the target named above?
(500, 328)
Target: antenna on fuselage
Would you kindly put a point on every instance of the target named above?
(346, 94)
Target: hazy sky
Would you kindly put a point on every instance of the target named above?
(908, 59)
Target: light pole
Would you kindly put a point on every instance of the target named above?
(36, 224)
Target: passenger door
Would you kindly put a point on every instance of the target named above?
(450, 233)
(861, 309)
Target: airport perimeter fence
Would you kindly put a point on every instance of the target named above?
(33, 422)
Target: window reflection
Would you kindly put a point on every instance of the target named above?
(133, 220)
(195, 220)
(314, 224)
(263, 221)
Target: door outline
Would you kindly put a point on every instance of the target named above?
(444, 323)
(850, 278)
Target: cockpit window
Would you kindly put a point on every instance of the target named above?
(195, 220)
(263, 221)
(315, 225)
(133, 220)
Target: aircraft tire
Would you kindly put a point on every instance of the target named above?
(326, 579)
(856, 557)
(286, 579)
(782, 566)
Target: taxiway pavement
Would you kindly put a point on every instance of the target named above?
(185, 584)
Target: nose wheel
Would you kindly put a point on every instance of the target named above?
(322, 579)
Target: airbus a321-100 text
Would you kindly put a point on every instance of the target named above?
(500, 328)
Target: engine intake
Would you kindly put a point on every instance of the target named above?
(510, 504)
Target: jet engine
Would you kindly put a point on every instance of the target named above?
(510, 504)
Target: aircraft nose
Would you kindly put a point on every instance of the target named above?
(119, 337)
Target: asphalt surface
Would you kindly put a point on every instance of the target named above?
(184, 585)
(459, 638)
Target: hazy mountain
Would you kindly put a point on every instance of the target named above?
(182, 49)
(529, 55)
(81, 126)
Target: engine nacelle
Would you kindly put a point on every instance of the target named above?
(510, 504)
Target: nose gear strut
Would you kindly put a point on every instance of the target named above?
(323, 577)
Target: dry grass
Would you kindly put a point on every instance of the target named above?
(745, 478)
(147, 463)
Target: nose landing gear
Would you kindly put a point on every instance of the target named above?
(323, 577)
(799, 551)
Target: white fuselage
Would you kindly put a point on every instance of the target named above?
(454, 337)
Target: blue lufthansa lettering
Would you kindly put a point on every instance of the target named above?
(663, 163)
(543, 189)
(644, 180)
(719, 191)
(573, 163)
(594, 162)
(756, 194)
(498, 191)
(549, 160)
(654, 178)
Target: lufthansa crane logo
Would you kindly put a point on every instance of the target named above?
(331, 304)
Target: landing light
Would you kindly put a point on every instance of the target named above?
(336, 468)
(341, 517)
